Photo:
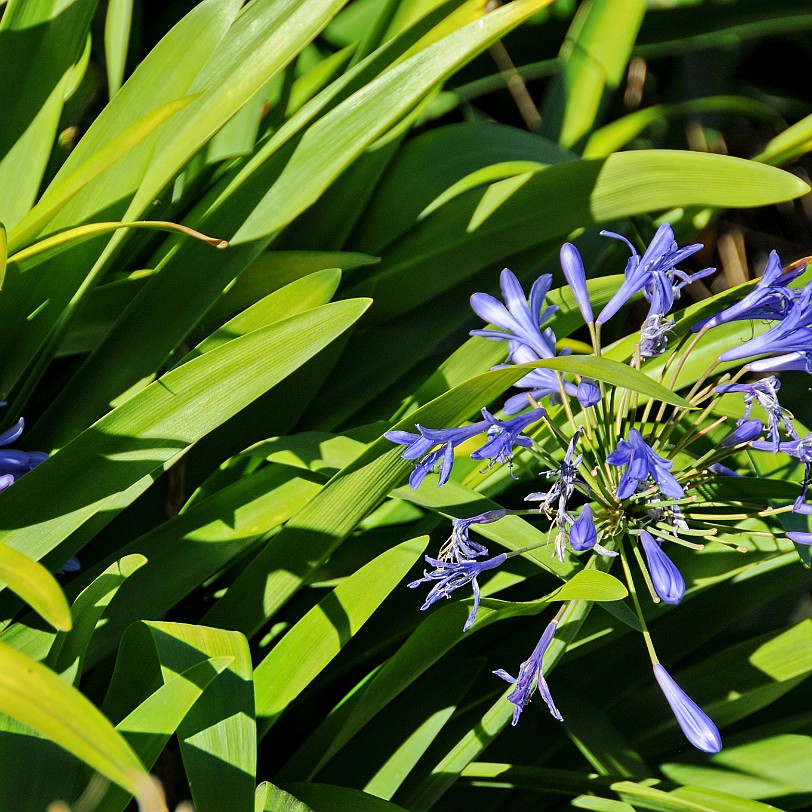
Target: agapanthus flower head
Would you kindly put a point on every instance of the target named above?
(418, 447)
(459, 547)
(765, 393)
(654, 274)
(531, 676)
(521, 321)
(695, 723)
(770, 299)
(573, 267)
(666, 579)
(504, 434)
(791, 335)
(451, 575)
(641, 462)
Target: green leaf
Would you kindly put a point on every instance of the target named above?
(217, 735)
(684, 799)
(40, 40)
(272, 799)
(34, 695)
(35, 585)
(296, 660)
(149, 727)
(792, 143)
(126, 449)
(68, 651)
(596, 191)
(116, 38)
(330, 798)
(591, 63)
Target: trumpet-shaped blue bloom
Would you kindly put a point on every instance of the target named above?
(765, 393)
(530, 677)
(418, 447)
(788, 362)
(801, 449)
(695, 723)
(655, 274)
(459, 547)
(583, 533)
(770, 299)
(746, 430)
(573, 267)
(451, 575)
(521, 321)
(588, 393)
(666, 579)
(540, 382)
(642, 462)
(504, 434)
(792, 335)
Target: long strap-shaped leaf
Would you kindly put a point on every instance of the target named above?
(218, 734)
(34, 695)
(139, 438)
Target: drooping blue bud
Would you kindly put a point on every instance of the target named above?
(573, 267)
(666, 579)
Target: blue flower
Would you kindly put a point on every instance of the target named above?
(801, 449)
(665, 577)
(588, 393)
(770, 299)
(71, 565)
(789, 362)
(540, 382)
(792, 335)
(746, 430)
(530, 677)
(503, 435)
(695, 723)
(642, 462)
(653, 338)
(520, 321)
(418, 447)
(655, 274)
(583, 533)
(573, 267)
(722, 470)
(459, 546)
(13, 462)
(451, 575)
(765, 393)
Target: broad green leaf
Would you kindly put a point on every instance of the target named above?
(770, 767)
(34, 695)
(40, 40)
(297, 297)
(59, 194)
(117, 24)
(270, 798)
(316, 639)
(591, 64)
(35, 585)
(684, 799)
(217, 735)
(149, 727)
(330, 798)
(135, 441)
(596, 191)
(67, 654)
(3, 254)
